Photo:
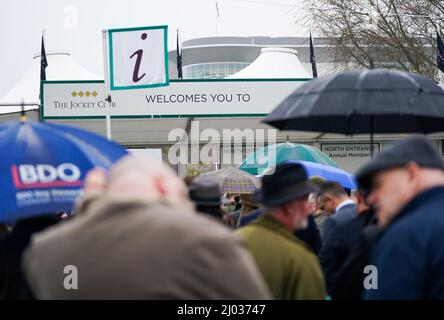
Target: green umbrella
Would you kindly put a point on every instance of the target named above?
(258, 161)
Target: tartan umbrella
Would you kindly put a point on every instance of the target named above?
(232, 180)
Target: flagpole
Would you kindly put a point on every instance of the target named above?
(107, 93)
(43, 65)
(217, 18)
(179, 57)
(440, 58)
(312, 58)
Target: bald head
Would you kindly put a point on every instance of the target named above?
(95, 182)
(137, 177)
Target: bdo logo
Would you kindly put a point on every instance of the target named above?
(27, 176)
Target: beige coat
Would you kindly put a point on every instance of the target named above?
(130, 250)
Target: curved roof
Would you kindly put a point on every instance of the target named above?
(274, 63)
(27, 90)
(262, 41)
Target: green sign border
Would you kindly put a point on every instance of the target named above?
(178, 116)
(111, 58)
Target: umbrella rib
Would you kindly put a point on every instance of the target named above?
(421, 124)
(349, 120)
(411, 80)
(357, 96)
(320, 136)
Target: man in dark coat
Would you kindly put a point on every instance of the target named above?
(406, 183)
(340, 242)
(350, 278)
(3, 228)
(311, 235)
(207, 198)
(13, 285)
(334, 200)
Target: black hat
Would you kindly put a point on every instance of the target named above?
(288, 182)
(399, 154)
(205, 193)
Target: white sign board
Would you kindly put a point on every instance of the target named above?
(349, 156)
(83, 99)
(155, 154)
(137, 57)
(73, 99)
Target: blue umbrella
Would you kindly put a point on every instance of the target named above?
(43, 166)
(329, 173)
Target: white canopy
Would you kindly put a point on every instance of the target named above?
(274, 63)
(60, 67)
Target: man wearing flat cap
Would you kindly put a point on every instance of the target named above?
(405, 184)
(289, 267)
(206, 196)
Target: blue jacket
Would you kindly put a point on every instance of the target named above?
(409, 255)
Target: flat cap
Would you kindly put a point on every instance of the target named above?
(416, 149)
(204, 193)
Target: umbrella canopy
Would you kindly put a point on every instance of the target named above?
(232, 180)
(329, 173)
(370, 101)
(274, 154)
(43, 166)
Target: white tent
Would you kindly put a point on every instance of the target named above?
(60, 67)
(274, 63)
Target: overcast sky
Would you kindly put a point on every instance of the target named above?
(75, 26)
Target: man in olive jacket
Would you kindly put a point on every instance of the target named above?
(289, 267)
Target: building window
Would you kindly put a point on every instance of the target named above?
(212, 70)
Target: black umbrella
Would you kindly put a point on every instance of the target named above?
(370, 101)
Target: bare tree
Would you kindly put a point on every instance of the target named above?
(399, 34)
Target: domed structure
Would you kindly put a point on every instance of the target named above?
(61, 66)
(274, 63)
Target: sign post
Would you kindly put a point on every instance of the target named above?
(134, 58)
(107, 93)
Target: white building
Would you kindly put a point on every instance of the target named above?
(220, 57)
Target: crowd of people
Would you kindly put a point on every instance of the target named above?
(140, 232)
